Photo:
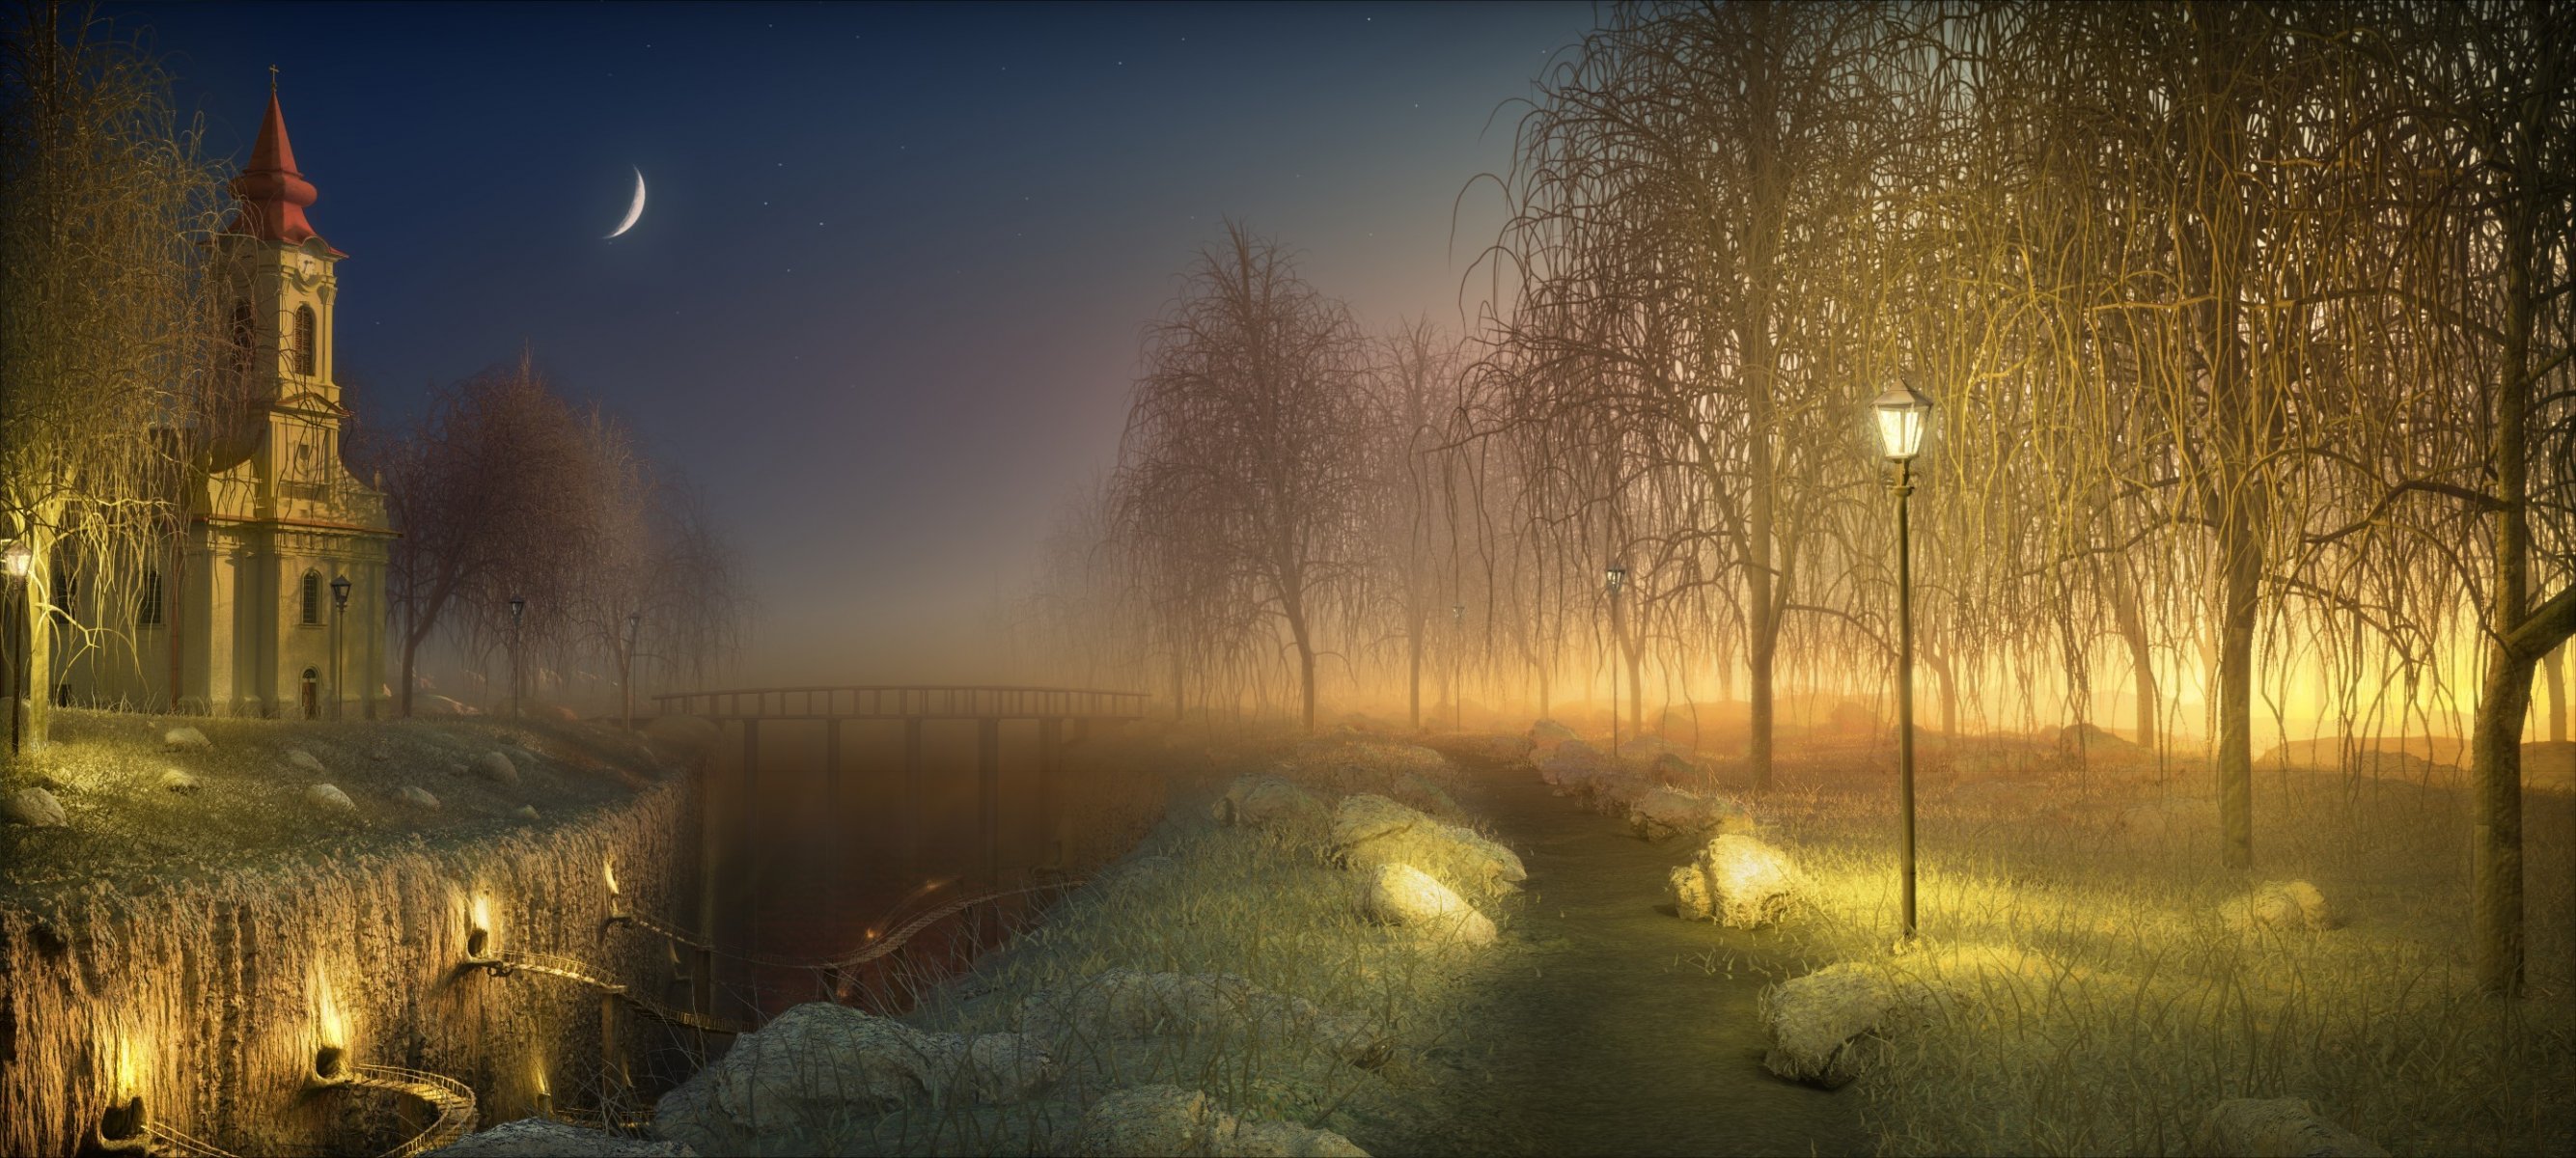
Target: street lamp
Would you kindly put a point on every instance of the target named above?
(626, 679)
(1615, 578)
(15, 559)
(518, 607)
(1903, 414)
(339, 636)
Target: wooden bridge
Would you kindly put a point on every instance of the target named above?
(1062, 714)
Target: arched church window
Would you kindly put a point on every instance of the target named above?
(312, 597)
(304, 328)
(147, 608)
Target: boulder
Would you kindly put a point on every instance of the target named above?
(1737, 881)
(185, 739)
(174, 780)
(1415, 792)
(2286, 905)
(818, 1065)
(418, 797)
(1818, 1023)
(547, 1138)
(1169, 1120)
(497, 768)
(1123, 1004)
(1400, 894)
(1822, 1025)
(1269, 802)
(1370, 830)
(1674, 770)
(35, 808)
(1666, 812)
(2276, 1128)
(303, 761)
(1615, 789)
(525, 812)
(329, 798)
(1547, 734)
(1571, 764)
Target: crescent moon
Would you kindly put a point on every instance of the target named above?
(633, 212)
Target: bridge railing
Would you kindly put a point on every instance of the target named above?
(893, 702)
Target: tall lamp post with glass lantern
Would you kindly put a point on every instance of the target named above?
(1903, 415)
(626, 679)
(339, 646)
(15, 559)
(518, 607)
(1615, 578)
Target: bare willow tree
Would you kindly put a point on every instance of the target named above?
(1245, 428)
(109, 345)
(491, 493)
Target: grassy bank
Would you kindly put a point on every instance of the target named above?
(1266, 907)
(2149, 1007)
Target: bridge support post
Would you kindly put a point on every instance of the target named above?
(988, 794)
(916, 798)
(612, 1061)
(845, 873)
(756, 847)
(1050, 764)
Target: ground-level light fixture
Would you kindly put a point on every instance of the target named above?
(1904, 413)
(16, 558)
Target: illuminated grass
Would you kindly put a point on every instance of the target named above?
(2156, 1010)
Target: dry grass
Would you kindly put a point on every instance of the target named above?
(2151, 1009)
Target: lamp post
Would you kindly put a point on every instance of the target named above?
(626, 678)
(518, 607)
(1615, 577)
(1903, 413)
(339, 646)
(15, 559)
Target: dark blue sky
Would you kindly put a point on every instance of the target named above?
(885, 300)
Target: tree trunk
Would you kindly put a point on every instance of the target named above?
(1940, 664)
(34, 701)
(1413, 676)
(2133, 631)
(2554, 680)
(2240, 579)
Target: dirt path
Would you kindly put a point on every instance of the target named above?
(1607, 1035)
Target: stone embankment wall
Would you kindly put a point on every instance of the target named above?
(209, 996)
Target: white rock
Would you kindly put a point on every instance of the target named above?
(174, 780)
(1400, 894)
(526, 812)
(1369, 831)
(497, 768)
(1817, 1022)
(35, 808)
(1549, 734)
(2276, 1128)
(1736, 881)
(1268, 802)
(2291, 905)
(302, 760)
(818, 1065)
(1667, 812)
(329, 798)
(1571, 763)
(418, 797)
(547, 1138)
(1169, 1120)
(185, 739)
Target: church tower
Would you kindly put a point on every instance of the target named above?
(278, 526)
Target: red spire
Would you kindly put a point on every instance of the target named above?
(273, 194)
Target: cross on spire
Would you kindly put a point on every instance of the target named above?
(272, 80)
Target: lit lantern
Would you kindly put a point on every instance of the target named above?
(1903, 414)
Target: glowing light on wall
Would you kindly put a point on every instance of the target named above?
(330, 1034)
(479, 939)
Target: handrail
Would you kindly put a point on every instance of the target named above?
(453, 1100)
(905, 701)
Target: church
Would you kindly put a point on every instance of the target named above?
(270, 600)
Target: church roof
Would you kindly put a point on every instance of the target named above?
(273, 194)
